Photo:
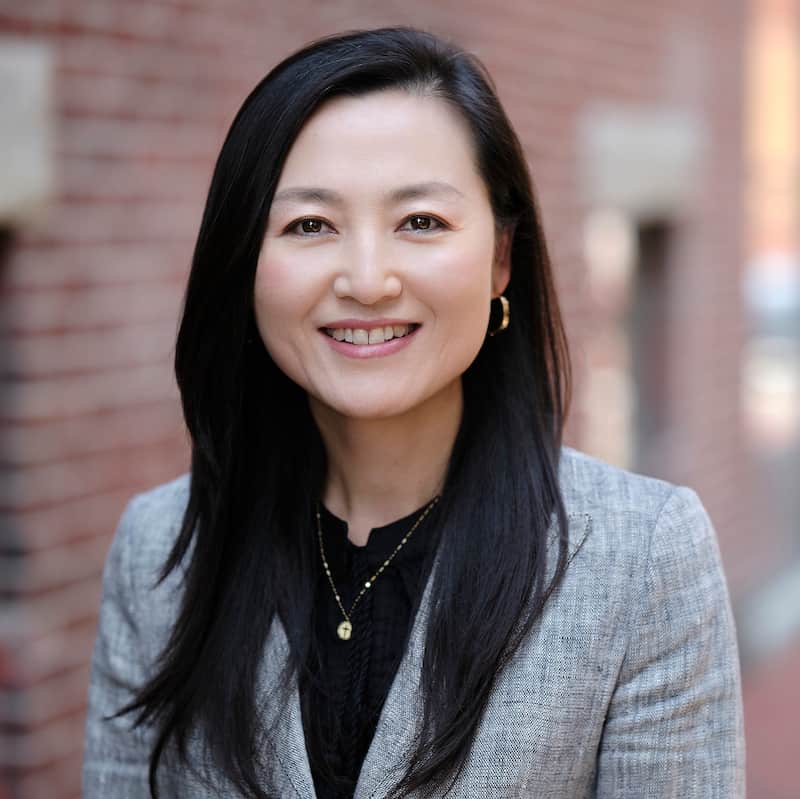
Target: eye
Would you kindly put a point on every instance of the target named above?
(422, 223)
(308, 226)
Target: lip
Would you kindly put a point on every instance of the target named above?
(370, 350)
(367, 324)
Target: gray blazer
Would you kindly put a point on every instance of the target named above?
(629, 685)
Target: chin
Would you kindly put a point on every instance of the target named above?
(377, 401)
(365, 406)
(366, 411)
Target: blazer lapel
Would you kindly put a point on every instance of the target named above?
(286, 767)
(286, 759)
(395, 732)
(397, 727)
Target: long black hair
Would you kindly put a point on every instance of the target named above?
(258, 463)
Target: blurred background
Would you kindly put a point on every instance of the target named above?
(663, 142)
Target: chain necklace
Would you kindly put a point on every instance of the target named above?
(345, 628)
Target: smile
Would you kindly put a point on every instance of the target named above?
(376, 335)
(366, 343)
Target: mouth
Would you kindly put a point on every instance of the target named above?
(374, 335)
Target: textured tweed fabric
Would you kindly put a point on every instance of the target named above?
(628, 686)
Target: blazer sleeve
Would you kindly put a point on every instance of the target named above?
(675, 722)
(116, 754)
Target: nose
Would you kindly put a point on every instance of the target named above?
(365, 274)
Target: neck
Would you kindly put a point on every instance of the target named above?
(380, 470)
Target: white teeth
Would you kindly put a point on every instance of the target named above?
(375, 335)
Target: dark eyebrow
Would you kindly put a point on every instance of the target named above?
(414, 191)
(418, 190)
(308, 195)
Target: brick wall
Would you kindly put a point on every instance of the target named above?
(143, 91)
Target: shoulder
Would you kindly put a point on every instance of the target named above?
(639, 522)
(144, 537)
(152, 519)
(166, 500)
(138, 609)
(650, 565)
(156, 514)
(590, 485)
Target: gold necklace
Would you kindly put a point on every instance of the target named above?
(345, 628)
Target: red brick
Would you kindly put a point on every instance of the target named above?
(57, 439)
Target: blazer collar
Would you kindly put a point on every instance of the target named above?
(396, 730)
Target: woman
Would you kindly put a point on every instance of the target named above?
(383, 575)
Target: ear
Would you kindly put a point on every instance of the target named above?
(501, 268)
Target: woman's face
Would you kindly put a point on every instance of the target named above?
(380, 258)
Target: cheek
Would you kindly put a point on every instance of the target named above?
(459, 289)
(277, 313)
(274, 279)
(283, 285)
(465, 283)
(277, 301)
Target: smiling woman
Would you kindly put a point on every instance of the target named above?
(413, 235)
(384, 575)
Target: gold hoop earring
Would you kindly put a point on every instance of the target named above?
(506, 316)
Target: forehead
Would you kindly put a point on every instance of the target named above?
(384, 137)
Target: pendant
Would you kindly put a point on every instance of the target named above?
(344, 630)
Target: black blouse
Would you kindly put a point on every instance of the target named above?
(342, 706)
